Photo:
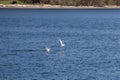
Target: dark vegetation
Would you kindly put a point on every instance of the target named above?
(14, 2)
(99, 3)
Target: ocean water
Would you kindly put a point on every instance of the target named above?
(91, 52)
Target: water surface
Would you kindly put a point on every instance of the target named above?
(91, 52)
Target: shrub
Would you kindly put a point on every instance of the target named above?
(14, 2)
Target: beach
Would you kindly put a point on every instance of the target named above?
(53, 6)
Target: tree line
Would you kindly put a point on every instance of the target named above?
(100, 3)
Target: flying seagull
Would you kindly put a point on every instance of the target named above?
(61, 43)
(47, 49)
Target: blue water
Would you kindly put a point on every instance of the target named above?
(91, 52)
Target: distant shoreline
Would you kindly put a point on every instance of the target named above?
(47, 6)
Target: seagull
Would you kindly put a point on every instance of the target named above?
(47, 49)
(61, 43)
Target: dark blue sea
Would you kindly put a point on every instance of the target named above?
(91, 37)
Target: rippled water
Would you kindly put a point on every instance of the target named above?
(91, 52)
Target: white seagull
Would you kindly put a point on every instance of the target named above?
(47, 49)
(61, 43)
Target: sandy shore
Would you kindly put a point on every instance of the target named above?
(51, 6)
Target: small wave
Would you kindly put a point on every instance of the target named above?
(48, 74)
(23, 50)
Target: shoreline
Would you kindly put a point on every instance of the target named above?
(47, 6)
